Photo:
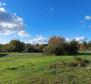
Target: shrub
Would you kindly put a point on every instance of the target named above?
(14, 46)
(58, 46)
(55, 46)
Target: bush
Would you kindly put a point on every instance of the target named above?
(58, 46)
(14, 46)
(72, 47)
(55, 46)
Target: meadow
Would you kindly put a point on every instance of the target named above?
(36, 68)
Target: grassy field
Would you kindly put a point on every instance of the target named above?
(26, 68)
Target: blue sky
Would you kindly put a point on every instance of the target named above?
(45, 18)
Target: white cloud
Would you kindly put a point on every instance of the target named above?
(2, 9)
(12, 26)
(85, 23)
(10, 23)
(87, 17)
(68, 39)
(39, 40)
(23, 34)
(80, 38)
(2, 4)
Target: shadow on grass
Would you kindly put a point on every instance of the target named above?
(81, 54)
(78, 54)
(2, 55)
(89, 54)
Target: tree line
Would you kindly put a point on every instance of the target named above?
(56, 46)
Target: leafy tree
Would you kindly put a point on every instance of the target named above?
(83, 46)
(29, 48)
(58, 46)
(6, 48)
(39, 48)
(1, 47)
(34, 48)
(55, 46)
(72, 47)
(89, 45)
(15, 46)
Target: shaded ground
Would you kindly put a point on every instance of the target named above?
(2, 55)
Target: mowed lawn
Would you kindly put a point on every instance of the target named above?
(29, 68)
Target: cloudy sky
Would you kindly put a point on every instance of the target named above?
(35, 21)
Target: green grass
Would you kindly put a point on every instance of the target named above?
(26, 68)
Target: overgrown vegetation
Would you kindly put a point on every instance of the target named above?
(77, 62)
(59, 46)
